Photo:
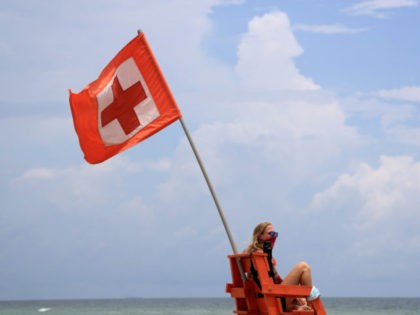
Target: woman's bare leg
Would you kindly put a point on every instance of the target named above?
(299, 275)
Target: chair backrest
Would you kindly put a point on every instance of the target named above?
(244, 293)
(265, 298)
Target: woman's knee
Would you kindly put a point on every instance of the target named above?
(303, 266)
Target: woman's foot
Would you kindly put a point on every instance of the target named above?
(302, 307)
(300, 304)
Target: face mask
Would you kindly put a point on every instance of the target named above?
(269, 244)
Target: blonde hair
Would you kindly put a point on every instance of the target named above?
(255, 243)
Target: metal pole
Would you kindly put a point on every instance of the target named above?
(216, 201)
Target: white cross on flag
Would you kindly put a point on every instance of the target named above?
(129, 102)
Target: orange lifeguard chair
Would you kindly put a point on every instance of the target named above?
(265, 298)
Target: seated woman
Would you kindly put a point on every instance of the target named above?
(263, 240)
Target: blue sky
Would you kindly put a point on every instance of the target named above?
(305, 113)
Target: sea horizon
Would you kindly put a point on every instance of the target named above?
(186, 298)
(197, 306)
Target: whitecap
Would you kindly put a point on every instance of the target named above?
(44, 309)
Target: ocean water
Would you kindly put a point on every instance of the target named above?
(198, 306)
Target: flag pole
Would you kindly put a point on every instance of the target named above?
(216, 201)
(209, 184)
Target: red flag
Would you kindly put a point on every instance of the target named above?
(129, 102)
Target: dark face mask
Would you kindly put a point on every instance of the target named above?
(269, 244)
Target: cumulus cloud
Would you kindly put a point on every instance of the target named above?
(265, 55)
(278, 138)
(275, 136)
(298, 132)
(375, 217)
(386, 194)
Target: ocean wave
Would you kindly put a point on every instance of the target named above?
(44, 309)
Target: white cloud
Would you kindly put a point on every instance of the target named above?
(328, 29)
(265, 56)
(407, 93)
(293, 133)
(370, 215)
(307, 133)
(379, 8)
(377, 197)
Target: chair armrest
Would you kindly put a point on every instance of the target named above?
(286, 290)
